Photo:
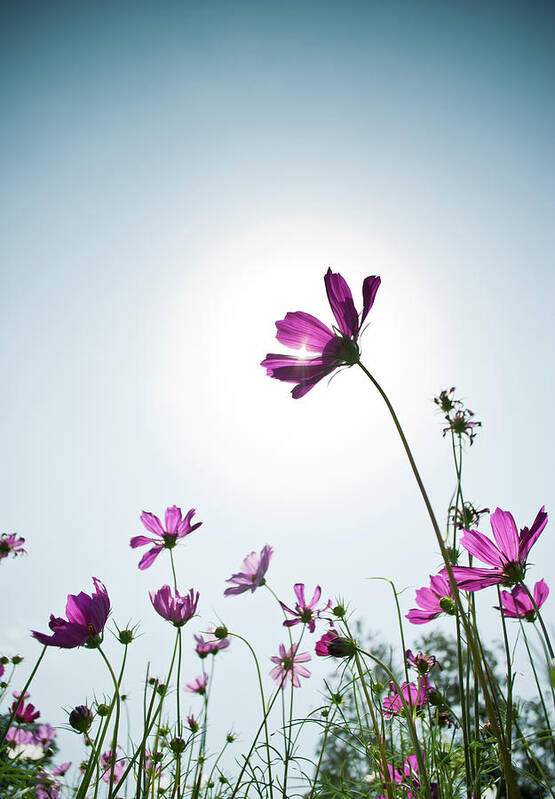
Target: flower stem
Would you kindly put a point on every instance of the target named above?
(513, 791)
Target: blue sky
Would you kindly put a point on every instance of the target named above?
(176, 177)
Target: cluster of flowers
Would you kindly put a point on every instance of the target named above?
(507, 561)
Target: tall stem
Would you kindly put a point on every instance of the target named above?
(22, 695)
(513, 790)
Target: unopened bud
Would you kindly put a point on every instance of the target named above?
(81, 718)
(102, 709)
(221, 632)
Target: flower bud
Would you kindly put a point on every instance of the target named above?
(102, 709)
(230, 737)
(81, 718)
(177, 745)
(125, 636)
(221, 632)
(339, 611)
(4, 660)
(342, 648)
(16, 659)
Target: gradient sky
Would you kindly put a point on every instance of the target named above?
(176, 177)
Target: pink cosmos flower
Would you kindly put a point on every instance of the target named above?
(507, 556)
(322, 646)
(252, 574)
(409, 777)
(414, 695)
(86, 617)
(516, 604)
(198, 685)
(25, 714)
(436, 599)
(11, 544)
(106, 760)
(304, 613)
(176, 528)
(193, 723)
(423, 663)
(179, 608)
(329, 348)
(210, 645)
(45, 735)
(288, 666)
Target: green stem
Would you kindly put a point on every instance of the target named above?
(513, 790)
(116, 723)
(509, 710)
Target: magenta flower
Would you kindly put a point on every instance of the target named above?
(330, 348)
(415, 695)
(288, 666)
(45, 735)
(253, 570)
(409, 778)
(434, 601)
(178, 609)
(305, 613)
(516, 604)
(193, 723)
(60, 770)
(322, 646)
(210, 645)
(47, 787)
(461, 424)
(25, 714)
(11, 544)
(198, 685)
(422, 662)
(176, 528)
(507, 556)
(86, 617)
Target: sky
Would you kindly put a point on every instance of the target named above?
(177, 176)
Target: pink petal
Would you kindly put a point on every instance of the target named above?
(300, 329)
(505, 534)
(416, 616)
(152, 523)
(149, 557)
(529, 537)
(172, 519)
(369, 290)
(541, 592)
(481, 547)
(341, 302)
(140, 541)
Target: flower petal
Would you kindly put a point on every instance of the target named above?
(505, 534)
(369, 290)
(152, 523)
(299, 329)
(528, 537)
(481, 547)
(140, 541)
(471, 578)
(541, 592)
(172, 519)
(149, 557)
(341, 302)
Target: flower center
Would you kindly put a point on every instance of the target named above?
(514, 573)
(170, 540)
(447, 605)
(349, 351)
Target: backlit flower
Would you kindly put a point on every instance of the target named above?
(11, 545)
(326, 349)
(413, 695)
(422, 662)
(322, 646)
(434, 601)
(288, 666)
(25, 714)
(198, 685)
(516, 604)
(253, 570)
(507, 556)
(210, 645)
(179, 608)
(305, 612)
(409, 778)
(86, 617)
(176, 528)
(113, 766)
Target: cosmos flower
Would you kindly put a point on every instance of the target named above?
(47, 786)
(252, 574)
(45, 734)
(86, 617)
(434, 601)
(305, 613)
(25, 714)
(23, 744)
(422, 662)
(107, 760)
(178, 609)
(210, 645)
(507, 556)
(516, 604)
(176, 528)
(198, 685)
(288, 666)
(11, 545)
(329, 348)
(322, 646)
(414, 695)
(193, 723)
(81, 718)
(409, 778)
